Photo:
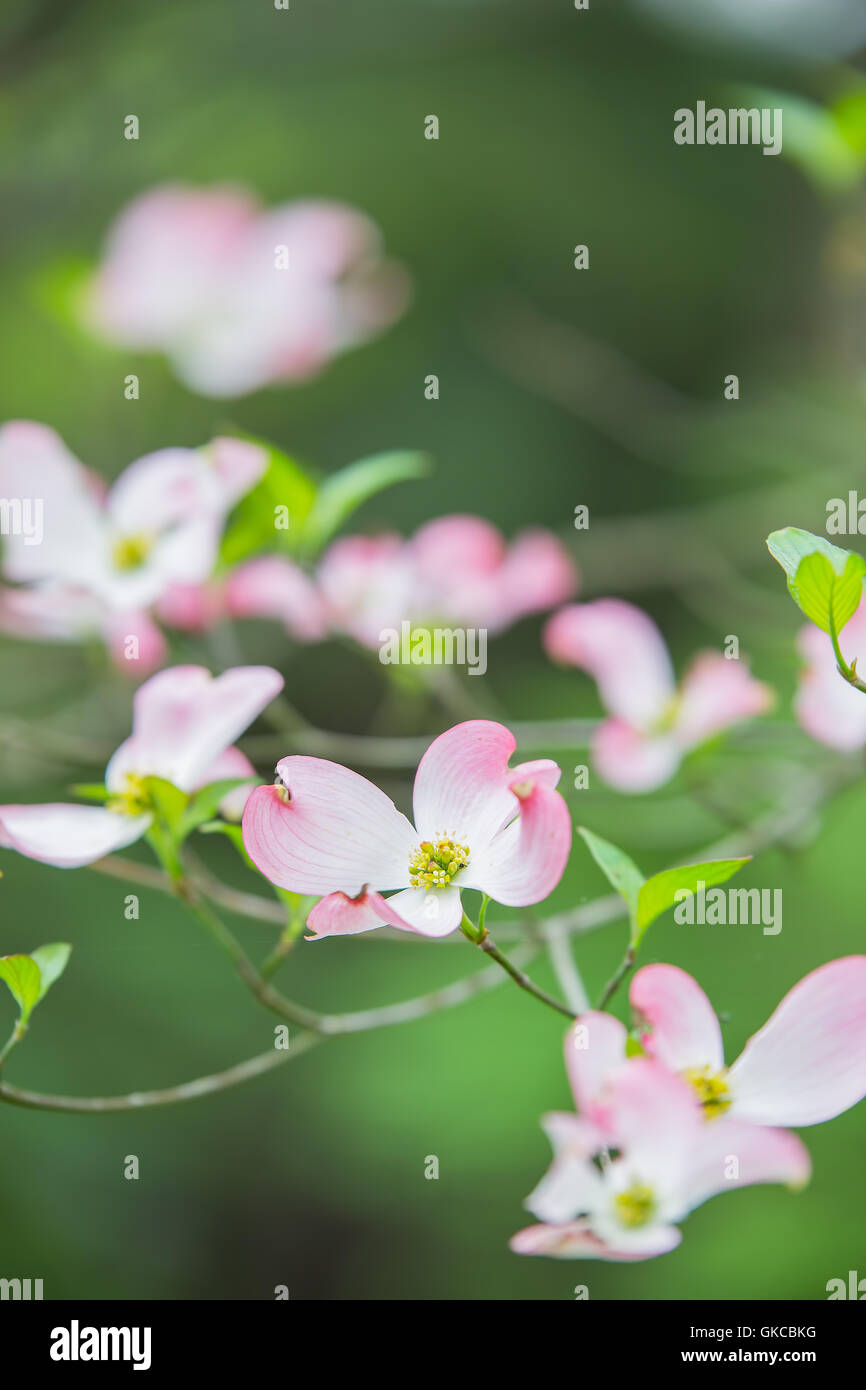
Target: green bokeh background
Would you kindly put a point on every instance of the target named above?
(555, 129)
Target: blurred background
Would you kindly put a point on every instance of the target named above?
(558, 387)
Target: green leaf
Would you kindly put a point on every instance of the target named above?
(52, 961)
(849, 112)
(21, 974)
(91, 791)
(830, 599)
(251, 527)
(825, 581)
(204, 805)
(343, 492)
(621, 872)
(168, 801)
(660, 892)
(791, 545)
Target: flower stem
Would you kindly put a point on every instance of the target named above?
(479, 936)
(246, 970)
(617, 978)
(172, 1095)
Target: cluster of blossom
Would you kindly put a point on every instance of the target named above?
(659, 1133)
(123, 561)
(656, 1134)
(236, 296)
(112, 561)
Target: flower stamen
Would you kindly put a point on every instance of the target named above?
(133, 799)
(636, 1206)
(130, 552)
(436, 863)
(713, 1092)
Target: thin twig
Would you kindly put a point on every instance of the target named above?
(172, 1095)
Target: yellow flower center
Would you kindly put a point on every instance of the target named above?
(635, 1206)
(133, 799)
(130, 552)
(712, 1090)
(435, 863)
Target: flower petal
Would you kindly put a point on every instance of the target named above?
(571, 1185)
(67, 836)
(538, 573)
(653, 1116)
(828, 708)
(716, 693)
(429, 914)
(594, 1052)
(808, 1062)
(184, 718)
(631, 760)
(143, 654)
(166, 252)
(274, 587)
(525, 861)
(58, 504)
(577, 1241)
(237, 464)
(461, 786)
(682, 1028)
(337, 833)
(366, 583)
(727, 1154)
(622, 649)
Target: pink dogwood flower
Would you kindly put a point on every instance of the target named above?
(237, 296)
(668, 1161)
(184, 725)
(324, 830)
(272, 586)
(827, 707)
(105, 558)
(806, 1065)
(652, 723)
(453, 570)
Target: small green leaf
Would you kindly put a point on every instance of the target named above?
(791, 545)
(21, 974)
(849, 112)
(52, 961)
(252, 526)
(91, 791)
(621, 872)
(203, 806)
(825, 581)
(830, 599)
(343, 492)
(660, 892)
(168, 800)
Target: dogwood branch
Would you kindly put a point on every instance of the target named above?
(172, 1095)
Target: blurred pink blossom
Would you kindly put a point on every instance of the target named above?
(806, 1065)
(453, 570)
(827, 707)
(326, 831)
(239, 297)
(652, 722)
(105, 559)
(184, 725)
(668, 1160)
